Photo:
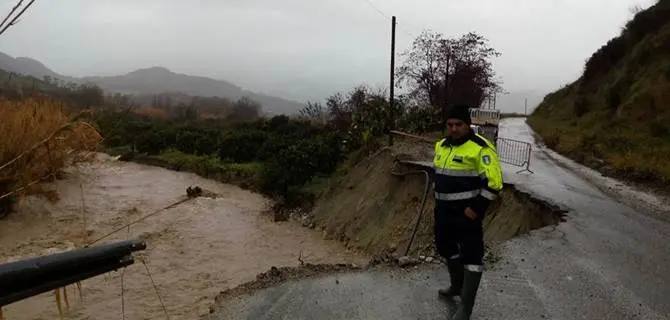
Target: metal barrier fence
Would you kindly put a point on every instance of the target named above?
(514, 152)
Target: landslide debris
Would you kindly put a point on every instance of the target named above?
(374, 211)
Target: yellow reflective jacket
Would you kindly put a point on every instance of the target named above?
(467, 172)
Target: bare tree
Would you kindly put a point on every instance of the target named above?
(441, 71)
(424, 64)
(314, 111)
(13, 17)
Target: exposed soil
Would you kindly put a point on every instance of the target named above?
(516, 213)
(373, 210)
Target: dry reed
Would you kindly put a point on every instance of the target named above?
(37, 139)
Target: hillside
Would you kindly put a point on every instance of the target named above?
(616, 116)
(12, 81)
(155, 80)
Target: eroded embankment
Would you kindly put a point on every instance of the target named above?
(374, 210)
(374, 207)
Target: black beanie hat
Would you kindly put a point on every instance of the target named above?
(460, 112)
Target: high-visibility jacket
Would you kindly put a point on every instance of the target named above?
(467, 172)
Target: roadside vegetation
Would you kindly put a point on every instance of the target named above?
(616, 116)
(289, 158)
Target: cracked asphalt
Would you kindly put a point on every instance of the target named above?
(607, 261)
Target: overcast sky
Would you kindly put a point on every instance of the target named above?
(306, 49)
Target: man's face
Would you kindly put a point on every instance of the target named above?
(457, 128)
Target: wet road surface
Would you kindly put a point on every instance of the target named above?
(607, 261)
(382, 294)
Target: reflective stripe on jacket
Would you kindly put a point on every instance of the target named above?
(467, 171)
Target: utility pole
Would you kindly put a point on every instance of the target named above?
(391, 124)
(525, 107)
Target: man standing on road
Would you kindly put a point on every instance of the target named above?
(467, 178)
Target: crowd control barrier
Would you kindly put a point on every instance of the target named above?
(514, 152)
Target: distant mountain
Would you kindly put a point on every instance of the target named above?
(29, 67)
(155, 80)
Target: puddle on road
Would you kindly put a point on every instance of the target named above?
(195, 250)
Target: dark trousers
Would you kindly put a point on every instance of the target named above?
(458, 235)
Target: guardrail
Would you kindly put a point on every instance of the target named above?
(514, 152)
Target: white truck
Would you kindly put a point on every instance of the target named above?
(485, 122)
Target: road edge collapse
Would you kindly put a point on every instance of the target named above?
(370, 210)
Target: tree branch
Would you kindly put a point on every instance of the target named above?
(14, 20)
(11, 13)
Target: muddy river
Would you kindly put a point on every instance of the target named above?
(195, 250)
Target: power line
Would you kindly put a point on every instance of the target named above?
(141, 219)
(167, 316)
(381, 12)
(372, 5)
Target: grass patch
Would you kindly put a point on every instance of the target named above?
(622, 152)
(246, 175)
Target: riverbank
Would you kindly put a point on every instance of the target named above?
(248, 175)
(195, 250)
(369, 209)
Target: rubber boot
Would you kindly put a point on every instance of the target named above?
(468, 294)
(455, 268)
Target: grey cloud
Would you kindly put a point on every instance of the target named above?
(308, 48)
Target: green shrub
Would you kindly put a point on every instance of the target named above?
(150, 142)
(242, 145)
(292, 167)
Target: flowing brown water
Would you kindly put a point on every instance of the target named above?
(195, 250)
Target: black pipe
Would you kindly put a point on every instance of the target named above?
(22, 279)
(427, 173)
(59, 282)
(20, 271)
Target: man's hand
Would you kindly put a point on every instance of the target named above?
(470, 213)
